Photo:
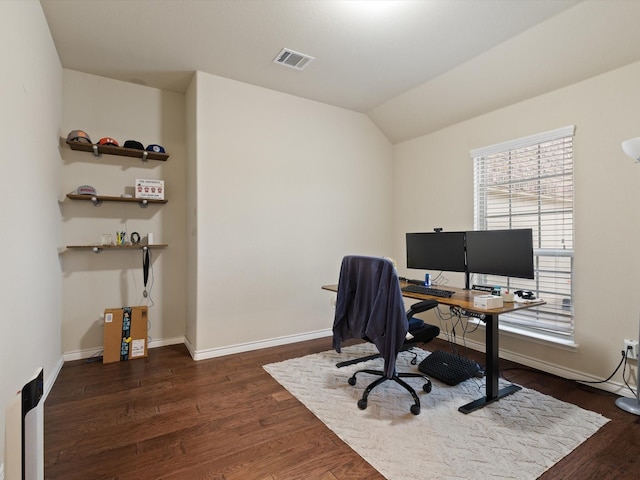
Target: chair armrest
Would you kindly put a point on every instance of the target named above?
(421, 307)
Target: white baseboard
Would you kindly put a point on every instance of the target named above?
(90, 352)
(245, 347)
(610, 386)
(207, 353)
(51, 379)
(613, 387)
(164, 342)
(1, 471)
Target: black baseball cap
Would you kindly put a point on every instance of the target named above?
(133, 144)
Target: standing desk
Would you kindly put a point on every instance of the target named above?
(464, 299)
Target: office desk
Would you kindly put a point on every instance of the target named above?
(464, 299)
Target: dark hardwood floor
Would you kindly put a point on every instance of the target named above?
(169, 417)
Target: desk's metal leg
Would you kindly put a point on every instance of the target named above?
(481, 402)
(492, 372)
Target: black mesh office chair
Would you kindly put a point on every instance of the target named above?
(369, 305)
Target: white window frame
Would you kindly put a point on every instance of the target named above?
(528, 183)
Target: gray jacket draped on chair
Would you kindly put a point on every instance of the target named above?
(369, 305)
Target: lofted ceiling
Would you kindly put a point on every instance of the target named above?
(413, 66)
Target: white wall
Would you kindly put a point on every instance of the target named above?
(104, 107)
(30, 284)
(285, 188)
(191, 108)
(580, 42)
(607, 197)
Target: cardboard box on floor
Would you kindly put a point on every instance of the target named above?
(125, 334)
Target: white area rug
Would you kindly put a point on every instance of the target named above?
(518, 437)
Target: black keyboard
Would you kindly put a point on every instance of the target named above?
(436, 292)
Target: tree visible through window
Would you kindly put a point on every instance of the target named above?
(528, 183)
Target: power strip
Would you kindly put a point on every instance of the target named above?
(466, 313)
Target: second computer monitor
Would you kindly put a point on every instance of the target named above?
(508, 253)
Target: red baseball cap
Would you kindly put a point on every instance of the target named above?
(108, 141)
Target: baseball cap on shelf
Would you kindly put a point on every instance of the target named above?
(108, 141)
(133, 144)
(86, 190)
(78, 136)
(155, 148)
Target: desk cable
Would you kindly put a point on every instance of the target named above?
(439, 280)
(455, 317)
(623, 360)
(455, 312)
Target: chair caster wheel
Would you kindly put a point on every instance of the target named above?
(427, 387)
(352, 381)
(415, 409)
(362, 404)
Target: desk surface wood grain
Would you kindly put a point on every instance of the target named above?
(461, 298)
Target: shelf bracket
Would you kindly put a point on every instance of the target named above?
(96, 201)
(95, 150)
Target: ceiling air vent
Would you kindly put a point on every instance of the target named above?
(292, 59)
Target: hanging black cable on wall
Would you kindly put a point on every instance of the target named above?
(146, 260)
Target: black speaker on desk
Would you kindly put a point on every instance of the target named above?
(448, 368)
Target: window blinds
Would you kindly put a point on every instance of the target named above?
(528, 183)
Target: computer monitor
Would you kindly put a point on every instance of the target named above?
(508, 253)
(436, 251)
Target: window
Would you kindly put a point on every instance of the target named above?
(528, 183)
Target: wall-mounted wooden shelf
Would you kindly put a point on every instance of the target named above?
(98, 199)
(98, 150)
(99, 248)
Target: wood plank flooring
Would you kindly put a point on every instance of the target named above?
(169, 417)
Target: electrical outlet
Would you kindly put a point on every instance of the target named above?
(631, 347)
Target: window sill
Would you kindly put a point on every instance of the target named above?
(547, 340)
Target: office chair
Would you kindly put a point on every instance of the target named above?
(419, 332)
(369, 305)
